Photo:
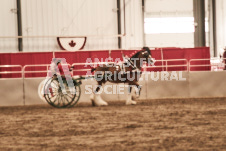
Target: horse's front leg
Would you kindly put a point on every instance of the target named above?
(129, 100)
(137, 90)
(96, 97)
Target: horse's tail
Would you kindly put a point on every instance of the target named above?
(93, 69)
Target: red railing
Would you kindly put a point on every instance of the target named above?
(41, 70)
(167, 59)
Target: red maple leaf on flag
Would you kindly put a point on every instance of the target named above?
(72, 43)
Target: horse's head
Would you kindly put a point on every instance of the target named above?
(143, 55)
(146, 53)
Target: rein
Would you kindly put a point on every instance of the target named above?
(129, 61)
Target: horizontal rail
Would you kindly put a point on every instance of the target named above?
(12, 72)
(69, 36)
(173, 60)
(9, 66)
(169, 66)
(39, 71)
(165, 66)
(81, 70)
(199, 60)
(39, 65)
(93, 63)
(199, 65)
(202, 65)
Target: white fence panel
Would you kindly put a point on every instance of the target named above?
(207, 84)
(160, 88)
(11, 92)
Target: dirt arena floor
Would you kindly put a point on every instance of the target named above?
(184, 124)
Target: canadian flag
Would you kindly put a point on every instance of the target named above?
(71, 43)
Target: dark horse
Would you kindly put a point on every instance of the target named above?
(128, 72)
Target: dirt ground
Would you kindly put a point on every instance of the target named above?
(184, 124)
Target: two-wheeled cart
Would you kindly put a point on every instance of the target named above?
(61, 95)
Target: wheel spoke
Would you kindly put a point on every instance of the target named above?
(55, 84)
(55, 99)
(66, 99)
(58, 100)
(70, 96)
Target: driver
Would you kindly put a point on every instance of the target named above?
(63, 70)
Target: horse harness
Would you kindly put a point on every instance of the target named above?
(127, 63)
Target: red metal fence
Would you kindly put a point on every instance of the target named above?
(181, 57)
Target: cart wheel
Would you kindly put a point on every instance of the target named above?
(77, 95)
(61, 96)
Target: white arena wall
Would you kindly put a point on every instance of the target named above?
(200, 84)
(70, 18)
(99, 17)
(11, 92)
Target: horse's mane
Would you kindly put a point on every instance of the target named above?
(136, 55)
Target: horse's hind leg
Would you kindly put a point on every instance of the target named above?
(96, 98)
